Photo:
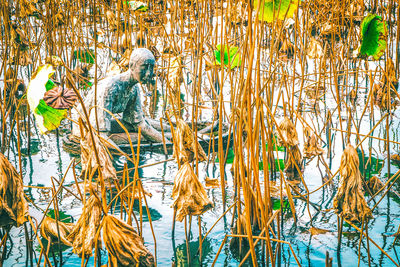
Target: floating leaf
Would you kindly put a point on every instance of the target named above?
(85, 56)
(373, 36)
(276, 9)
(231, 56)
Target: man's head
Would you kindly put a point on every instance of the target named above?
(141, 63)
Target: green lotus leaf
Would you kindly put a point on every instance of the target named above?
(374, 35)
(276, 9)
(138, 6)
(230, 55)
(51, 117)
(85, 56)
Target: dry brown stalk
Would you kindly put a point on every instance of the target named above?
(124, 245)
(189, 195)
(83, 234)
(13, 206)
(349, 201)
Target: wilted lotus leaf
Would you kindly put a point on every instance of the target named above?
(112, 20)
(286, 47)
(27, 8)
(311, 146)
(88, 157)
(318, 231)
(54, 60)
(125, 247)
(83, 234)
(13, 206)
(395, 158)
(289, 133)
(48, 230)
(211, 182)
(349, 201)
(189, 195)
(381, 98)
(185, 144)
(293, 158)
(60, 98)
(389, 78)
(314, 49)
(374, 184)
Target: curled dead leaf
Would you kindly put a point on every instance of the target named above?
(318, 231)
(125, 247)
(48, 230)
(289, 134)
(88, 157)
(294, 163)
(83, 234)
(13, 206)
(374, 184)
(211, 182)
(311, 146)
(189, 195)
(186, 144)
(349, 201)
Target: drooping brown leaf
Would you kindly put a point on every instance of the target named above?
(311, 146)
(83, 234)
(212, 182)
(349, 201)
(314, 49)
(125, 247)
(289, 134)
(48, 230)
(294, 163)
(60, 98)
(374, 184)
(27, 8)
(318, 231)
(189, 195)
(88, 157)
(185, 144)
(13, 206)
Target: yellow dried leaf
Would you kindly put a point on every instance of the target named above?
(189, 195)
(83, 234)
(349, 201)
(125, 247)
(13, 206)
(185, 144)
(48, 230)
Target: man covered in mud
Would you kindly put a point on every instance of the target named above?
(120, 94)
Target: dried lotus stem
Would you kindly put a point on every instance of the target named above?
(48, 230)
(289, 134)
(311, 146)
(184, 146)
(189, 195)
(125, 247)
(83, 234)
(349, 201)
(14, 208)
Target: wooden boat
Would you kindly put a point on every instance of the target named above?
(71, 144)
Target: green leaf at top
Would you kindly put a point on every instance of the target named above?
(374, 35)
(230, 55)
(138, 6)
(51, 117)
(49, 85)
(85, 56)
(276, 9)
